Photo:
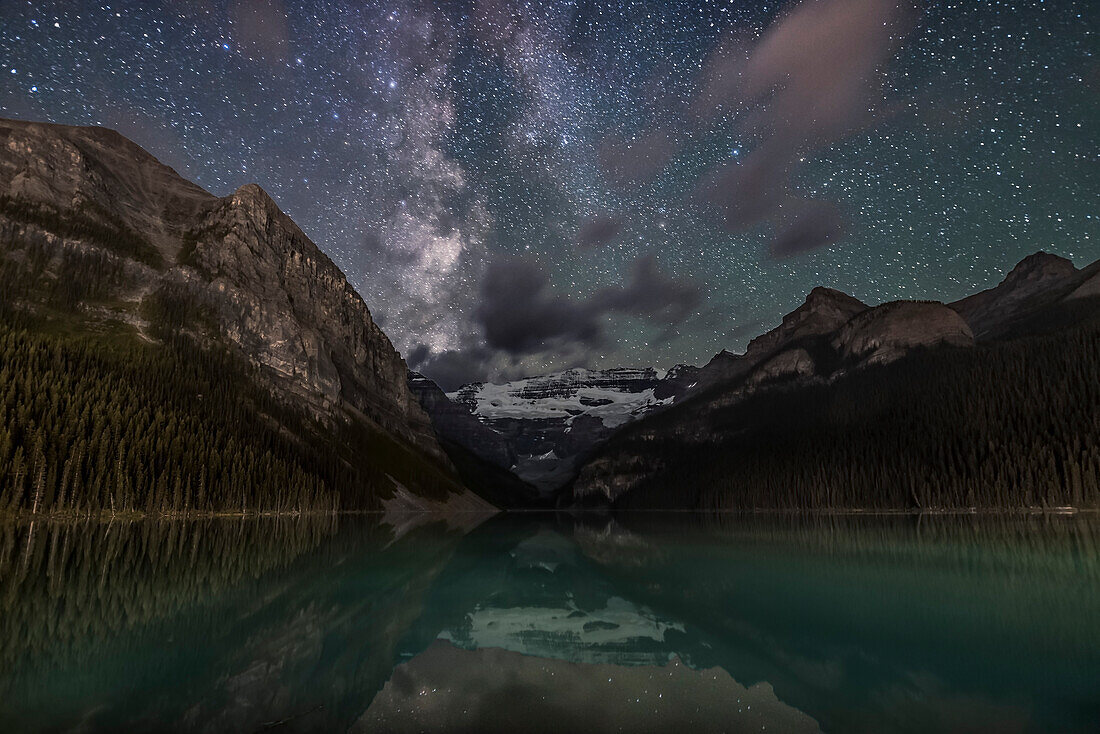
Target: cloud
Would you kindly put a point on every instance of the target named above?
(815, 224)
(747, 194)
(650, 294)
(418, 355)
(452, 368)
(597, 231)
(813, 79)
(819, 68)
(520, 313)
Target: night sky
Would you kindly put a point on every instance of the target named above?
(520, 187)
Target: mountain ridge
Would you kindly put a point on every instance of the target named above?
(97, 236)
(1029, 305)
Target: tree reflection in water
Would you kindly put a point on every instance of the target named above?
(526, 622)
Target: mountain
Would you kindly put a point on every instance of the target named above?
(109, 256)
(551, 422)
(824, 310)
(1037, 280)
(483, 457)
(990, 401)
(891, 331)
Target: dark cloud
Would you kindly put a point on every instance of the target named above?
(814, 78)
(417, 355)
(814, 224)
(748, 194)
(451, 369)
(818, 70)
(597, 231)
(521, 314)
(650, 294)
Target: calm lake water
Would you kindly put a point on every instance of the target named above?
(550, 623)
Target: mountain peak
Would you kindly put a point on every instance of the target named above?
(821, 296)
(824, 311)
(255, 200)
(1040, 277)
(253, 191)
(1040, 266)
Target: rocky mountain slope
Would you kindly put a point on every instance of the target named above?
(826, 348)
(484, 458)
(98, 236)
(1036, 281)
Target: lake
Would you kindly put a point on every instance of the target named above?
(532, 622)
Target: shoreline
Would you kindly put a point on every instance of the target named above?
(73, 517)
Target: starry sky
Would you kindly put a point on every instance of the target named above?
(517, 187)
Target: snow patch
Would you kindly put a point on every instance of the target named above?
(523, 400)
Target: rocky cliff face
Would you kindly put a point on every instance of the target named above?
(454, 422)
(824, 311)
(295, 314)
(100, 174)
(890, 331)
(235, 270)
(1036, 280)
(1090, 286)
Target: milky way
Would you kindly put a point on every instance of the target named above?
(643, 182)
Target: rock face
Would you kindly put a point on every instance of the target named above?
(295, 314)
(824, 311)
(679, 380)
(890, 331)
(795, 362)
(1090, 286)
(551, 422)
(70, 168)
(258, 284)
(722, 367)
(454, 422)
(1035, 281)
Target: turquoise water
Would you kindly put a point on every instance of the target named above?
(553, 623)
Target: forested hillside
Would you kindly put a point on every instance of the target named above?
(105, 423)
(1006, 424)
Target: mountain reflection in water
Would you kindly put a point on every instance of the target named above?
(552, 623)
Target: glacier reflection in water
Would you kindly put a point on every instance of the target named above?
(551, 623)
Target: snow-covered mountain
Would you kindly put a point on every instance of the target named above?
(552, 421)
(615, 396)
